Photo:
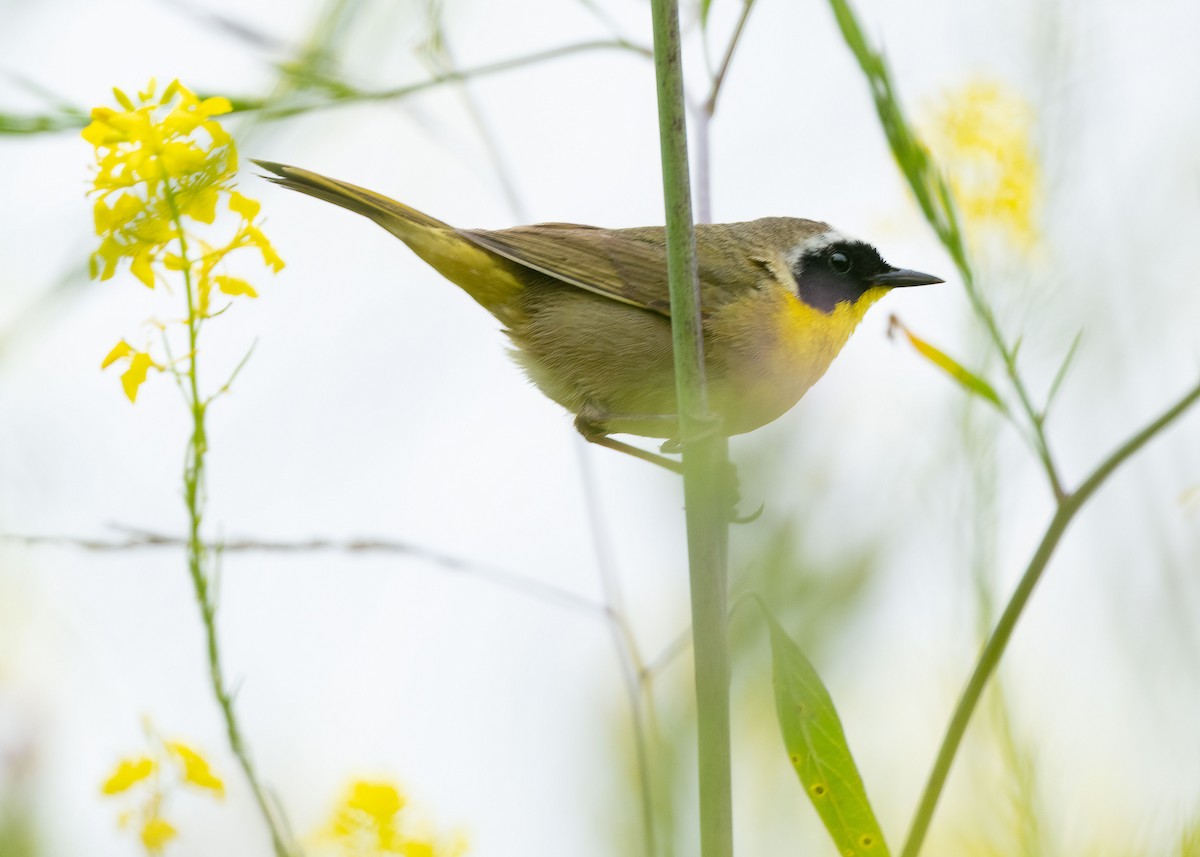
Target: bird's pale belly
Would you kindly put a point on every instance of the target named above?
(614, 362)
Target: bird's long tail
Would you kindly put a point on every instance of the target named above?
(393, 216)
(485, 276)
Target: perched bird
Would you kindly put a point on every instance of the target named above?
(589, 313)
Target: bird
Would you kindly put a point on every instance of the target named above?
(587, 309)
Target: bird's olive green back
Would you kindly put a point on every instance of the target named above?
(630, 265)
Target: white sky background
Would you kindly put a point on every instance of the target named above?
(379, 402)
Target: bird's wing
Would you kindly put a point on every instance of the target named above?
(627, 265)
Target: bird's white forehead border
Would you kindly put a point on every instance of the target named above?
(815, 242)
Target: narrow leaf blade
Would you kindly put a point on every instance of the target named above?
(817, 747)
(1061, 375)
(971, 382)
(705, 6)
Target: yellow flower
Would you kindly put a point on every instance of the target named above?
(380, 801)
(375, 819)
(196, 769)
(156, 833)
(165, 158)
(982, 135)
(121, 349)
(150, 779)
(246, 207)
(127, 773)
(234, 286)
(140, 362)
(163, 165)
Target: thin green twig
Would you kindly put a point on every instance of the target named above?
(343, 94)
(340, 93)
(197, 550)
(1068, 507)
(718, 81)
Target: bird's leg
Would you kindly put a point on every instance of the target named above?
(590, 424)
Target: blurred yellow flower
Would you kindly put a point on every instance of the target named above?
(982, 134)
(128, 772)
(156, 833)
(146, 781)
(374, 819)
(380, 801)
(140, 362)
(195, 768)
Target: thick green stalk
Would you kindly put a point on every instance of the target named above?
(705, 451)
(197, 550)
(989, 659)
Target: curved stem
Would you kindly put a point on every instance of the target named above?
(993, 650)
(710, 104)
(197, 550)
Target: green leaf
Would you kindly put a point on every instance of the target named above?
(1061, 375)
(705, 6)
(817, 747)
(971, 382)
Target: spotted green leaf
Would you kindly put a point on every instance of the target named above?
(818, 750)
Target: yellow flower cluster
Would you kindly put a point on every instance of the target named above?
(147, 780)
(374, 819)
(982, 135)
(163, 165)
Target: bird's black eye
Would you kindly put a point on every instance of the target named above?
(840, 262)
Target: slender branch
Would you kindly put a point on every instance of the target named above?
(704, 114)
(441, 60)
(705, 450)
(344, 94)
(669, 653)
(141, 539)
(710, 103)
(224, 388)
(1041, 445)
(197, 549)
(1067, 509)
(629, 656)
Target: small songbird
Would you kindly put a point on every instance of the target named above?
(589, 313)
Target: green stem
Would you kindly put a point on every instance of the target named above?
(341, 93)
(1040, 443)
(705, 450)
(710, 104)
(344, 94)
(993, 650)
(197, 550)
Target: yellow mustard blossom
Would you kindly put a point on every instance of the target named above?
(196, 770)
(156, 833)
(127, 773)
(146, 781)
(981, 133)
(165, 168)
(375, 819)
(140, 362)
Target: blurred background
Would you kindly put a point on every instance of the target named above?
(379, 403)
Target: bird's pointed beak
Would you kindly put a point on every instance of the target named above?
(904, 277)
